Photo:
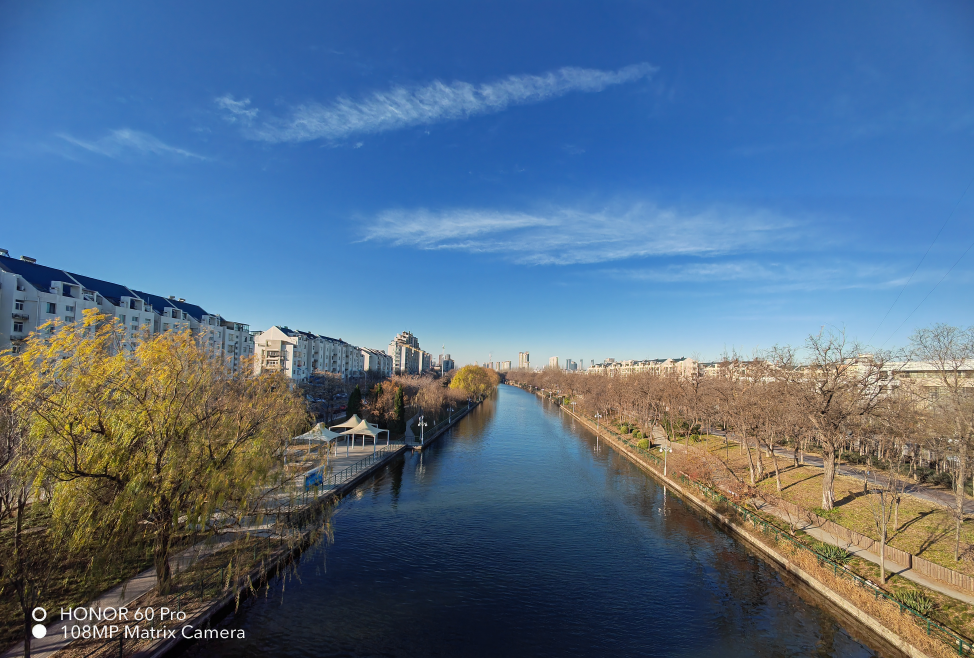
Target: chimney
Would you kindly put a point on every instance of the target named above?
(4, 252)
(181, 299)
(28, 259)
(173, 297)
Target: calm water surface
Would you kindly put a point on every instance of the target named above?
(518, 535)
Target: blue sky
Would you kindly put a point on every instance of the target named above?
(585, 180)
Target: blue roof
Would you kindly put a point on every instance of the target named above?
(113, 292)
(194, 311)
(39, 276)
(155, 301)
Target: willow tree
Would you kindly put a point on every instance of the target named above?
(475, 381)
(141, 439)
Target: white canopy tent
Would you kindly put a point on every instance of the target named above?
(365, 429)
(352, 422)
(319, 434)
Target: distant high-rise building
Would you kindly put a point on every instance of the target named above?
(407, 357)
(505, 366)
(570, 365)
(553, 362)
(523, 360)
(591, 363)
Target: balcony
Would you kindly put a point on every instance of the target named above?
(20, 316)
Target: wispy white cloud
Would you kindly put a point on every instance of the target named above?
(235, 110)
(769, 275)
(565, 236)
(401, 107)
(124, 141)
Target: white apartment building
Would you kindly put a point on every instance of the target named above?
(300, 354)
(376, 361)
(32, 294)
(553, 362)
(682, 367)
(407, 357)
(523, 360)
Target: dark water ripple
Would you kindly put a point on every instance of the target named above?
(519, 535)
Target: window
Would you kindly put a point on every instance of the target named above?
(165, 326)
(18, 327)
(69, 308)
(69, 318)
(122, 317)
(18, 306)
(51, 307)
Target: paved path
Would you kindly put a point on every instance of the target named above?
(921, 491)
(891, 567)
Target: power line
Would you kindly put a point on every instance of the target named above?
(971, 245)
(942, 227)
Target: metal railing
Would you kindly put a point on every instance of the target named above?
(315, 478)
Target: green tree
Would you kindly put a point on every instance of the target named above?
(355, 401)
(399, 409)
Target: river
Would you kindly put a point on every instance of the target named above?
(519, 534)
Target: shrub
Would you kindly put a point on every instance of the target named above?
(644, 444)
(834, 553)
(832, 515)
(915, 599)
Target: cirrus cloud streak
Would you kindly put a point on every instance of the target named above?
(568, 236)
(403, 107)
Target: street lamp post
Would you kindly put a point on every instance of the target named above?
(421, 426)
(664, 450)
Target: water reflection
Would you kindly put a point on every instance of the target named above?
(521, 535)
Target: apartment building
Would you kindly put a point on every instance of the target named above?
(301, 353)
(523, 360)
(505, 366)
(376, 361)
(682, 367)
(407, 357)
(33, 294)
(553, 362)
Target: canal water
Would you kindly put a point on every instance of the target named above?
(519, 534)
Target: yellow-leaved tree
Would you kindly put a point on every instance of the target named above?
(475, 381)
(138, 438)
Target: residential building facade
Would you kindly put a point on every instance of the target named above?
(407, 357)
(376, 362)
(299, 354)
(523, 360)
(33, 294)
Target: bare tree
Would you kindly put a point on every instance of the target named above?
(950, 351)
(840, 385)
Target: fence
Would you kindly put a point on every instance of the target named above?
(963, 645)
(315, 478)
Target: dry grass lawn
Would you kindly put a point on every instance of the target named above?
(925, 529)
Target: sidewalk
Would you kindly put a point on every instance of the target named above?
(891, 567)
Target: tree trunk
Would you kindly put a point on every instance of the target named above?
(961, 476)
(828, 479)
(163, 544)
(750, 459)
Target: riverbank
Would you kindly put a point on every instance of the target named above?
(221, 589)
(858, 598)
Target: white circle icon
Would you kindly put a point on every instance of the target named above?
(39, 614)
(39, 631)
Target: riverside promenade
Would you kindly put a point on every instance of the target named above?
(349, 466)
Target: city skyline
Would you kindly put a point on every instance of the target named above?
(669, 181)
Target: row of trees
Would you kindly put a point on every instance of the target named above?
(128, 443)
(832, 394)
